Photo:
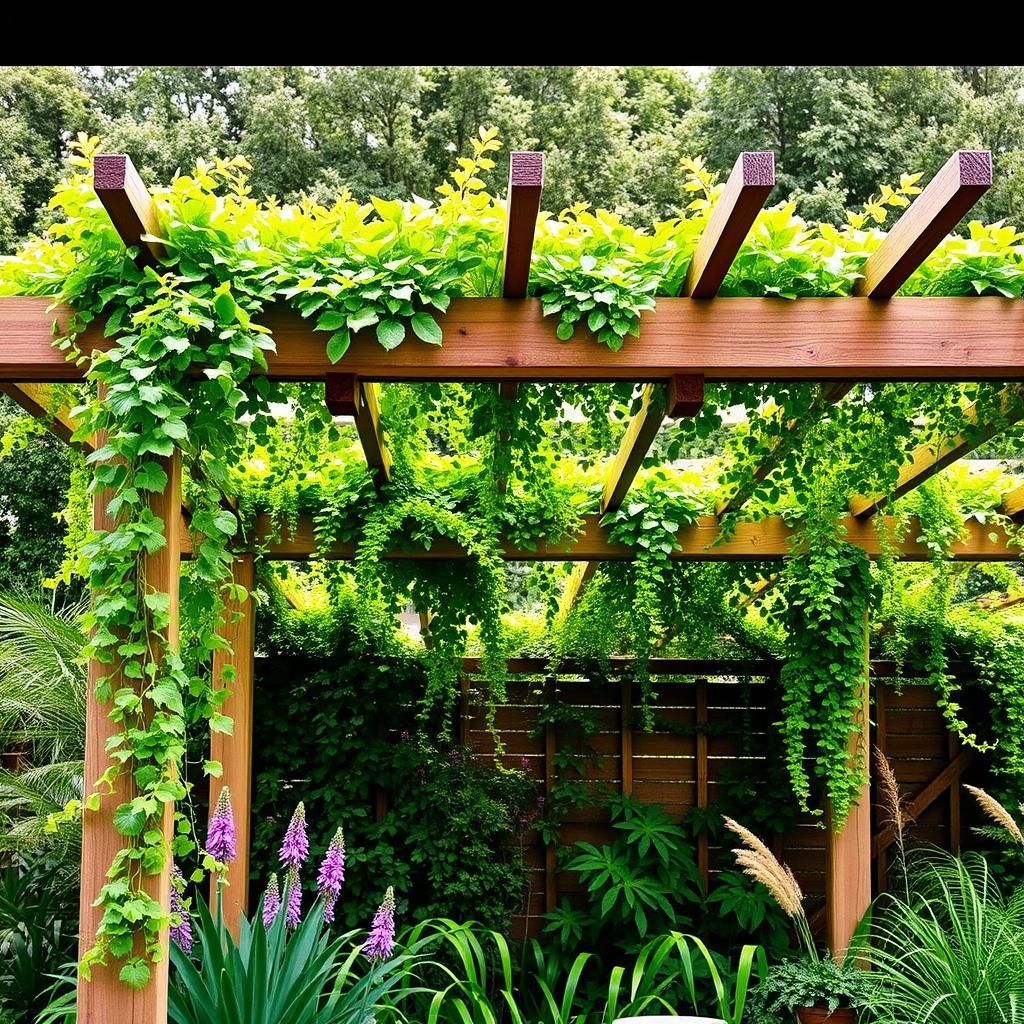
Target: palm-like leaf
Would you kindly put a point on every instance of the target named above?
(42, 712)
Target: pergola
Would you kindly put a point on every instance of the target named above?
(687, 341)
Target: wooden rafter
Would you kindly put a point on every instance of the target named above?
(904, 339)
(129, 205)
(749, 185)
(346, 395)
(962, 180)
(38, 400)
(525, 185)
(928, 459)
(768, 539)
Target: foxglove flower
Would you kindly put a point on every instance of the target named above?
(381, 942)
(271, 902)
(332, 874)
(181, 934)
(295, 848)
(293, 893)
(220, 839)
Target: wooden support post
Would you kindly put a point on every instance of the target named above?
(346, 395)
(701, 755)
(235, 751)
(749, 184)
(626, 736)
(958, 185)
(106, 999)
(128, 204)
(848, 881)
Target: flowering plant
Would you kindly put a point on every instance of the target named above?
(283, 967)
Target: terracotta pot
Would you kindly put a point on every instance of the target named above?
(819, 1015)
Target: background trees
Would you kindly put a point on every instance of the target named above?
(614, 135)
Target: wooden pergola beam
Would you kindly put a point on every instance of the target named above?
(928, 459)
(346, 395)
(749, 185)
(525, 185)
(38, 401)
(129, 205)
(904, 339)
(767, 539)
(961, 181)
(1013, 504)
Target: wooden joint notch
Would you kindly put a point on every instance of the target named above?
(346, 395)
(128, 203)
(684, 395)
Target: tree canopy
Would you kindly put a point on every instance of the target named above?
(615, 136)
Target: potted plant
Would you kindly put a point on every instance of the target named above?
(812, 986)
(818, 991)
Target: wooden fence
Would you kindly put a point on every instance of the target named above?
(713, 724)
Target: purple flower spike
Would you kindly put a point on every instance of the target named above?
(381, 942)
(271, 902)
(181, 934)
(293, 893)
(332, 875)
(295, 848)
(220, 840)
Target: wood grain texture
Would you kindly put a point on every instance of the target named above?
(749, 185)
(346, 395)
(961, 181)
(684, 395)
(39, 400)
(1013, 503)
(235, 751)
(626, 735)
(525, 185)
(128, 203)
(639, 436)
(929, 459)
(848, 861)
(905, 339)
(105, 999)
(766, 539)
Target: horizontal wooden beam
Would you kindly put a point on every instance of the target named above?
(128, 203)
(905, 339)
(961, 181)
(733, 215)
(766, 539)
(929, 459)
(346, 395)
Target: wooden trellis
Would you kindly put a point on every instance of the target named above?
(683, 343)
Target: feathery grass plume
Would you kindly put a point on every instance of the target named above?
(894, 808)
(997, 812)
(763, 866)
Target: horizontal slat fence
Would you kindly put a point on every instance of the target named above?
(712, 722)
